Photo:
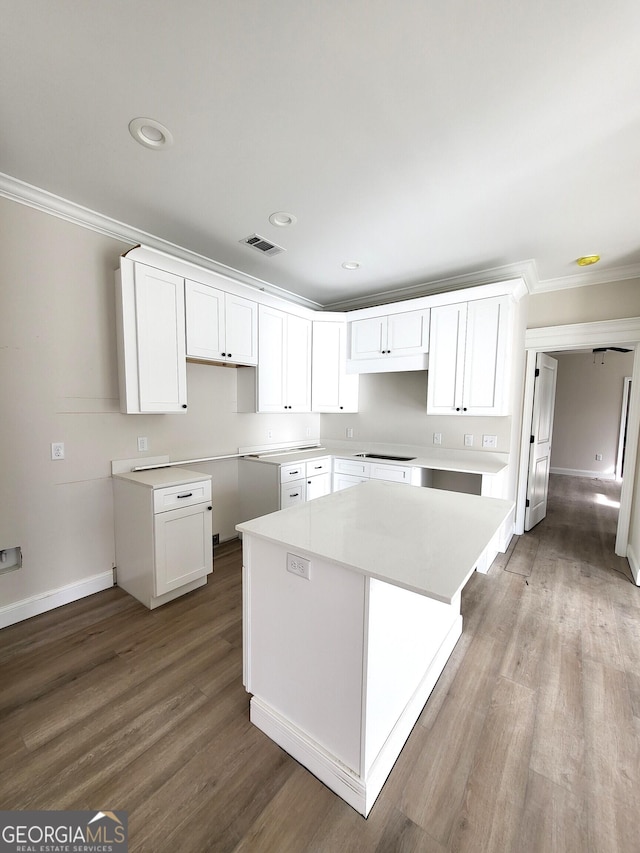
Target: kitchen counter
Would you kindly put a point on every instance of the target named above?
(403, 536)
(351, 609)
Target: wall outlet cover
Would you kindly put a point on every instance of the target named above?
(489, 440)
(437, 438)
(299, 566)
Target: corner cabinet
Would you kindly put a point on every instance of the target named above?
(332, 389)
(150, 325)
(284, 364)
(391, 342)
(468, 358)
(221, 326)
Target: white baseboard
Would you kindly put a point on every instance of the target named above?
(576, 472)
(36, 604)
(359, 793)
(634, 565)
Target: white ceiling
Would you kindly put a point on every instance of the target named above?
(426, 140)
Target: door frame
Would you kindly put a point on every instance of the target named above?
(576, 336)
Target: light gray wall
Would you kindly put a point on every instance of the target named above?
(58, 374)
(393, 408)
(611, 301)
(587, 413)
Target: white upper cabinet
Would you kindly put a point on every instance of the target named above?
(332, 389)
(150, 326)
(468, 358)
(284, 364)
(390, 342)
(220, 326)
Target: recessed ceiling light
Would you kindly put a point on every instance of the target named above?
(282, 219)
(150, 133)
(587, 260)
(351, 265)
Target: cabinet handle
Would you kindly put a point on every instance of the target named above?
(317, 467)
(294, 494)
(228, 355)
(184, 405)
(291, 473)
(209, 507)
(342, 407)
(223, 354)
(457, 408)
(188, 495)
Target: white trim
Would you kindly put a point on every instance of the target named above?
(634, 565)
(553, 338)
(575, 472)
(599, 275)
(41, 603)
(47, 202)
(359, 793)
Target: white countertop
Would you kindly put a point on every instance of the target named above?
(442, 459)
(424, 540)
(160, 478)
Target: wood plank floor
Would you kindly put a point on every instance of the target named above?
(530, 742)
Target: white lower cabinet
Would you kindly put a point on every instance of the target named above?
(163, 529)
(349, 472)
(267, 486)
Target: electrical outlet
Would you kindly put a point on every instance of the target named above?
(143, 443)
(57, 450)
(437, 438)
(468, 440)
(349, 432)
(308, 432)
(598, 457)
(269, 433)
(299, 566)
(489, 440)
(216, 538)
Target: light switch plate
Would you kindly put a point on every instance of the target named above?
(468, 440)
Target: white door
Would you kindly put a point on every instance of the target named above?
(205, 320)
(241, 329)
(544, 398)
(408, 333)
(162, 368)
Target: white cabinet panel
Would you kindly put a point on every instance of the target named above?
(408, 333)
(389, 342)
(468, 359)
(318, 486)
(293, 493)
(220, 325)
(332, 388)
(182, 547)
(369, 337)
(151, 339)
(284, 365)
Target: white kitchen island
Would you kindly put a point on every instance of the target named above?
(351, 610)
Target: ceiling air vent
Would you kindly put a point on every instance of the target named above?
(263, 246)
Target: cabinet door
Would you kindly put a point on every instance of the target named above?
(183, 546)
(241, 330)
(271, 362)
(485, 356)
(368, 337)
(160, 324)
(332, 389)
(446, 359)
(298, 364)
(408, 333)
(205, 320)
(318, 486)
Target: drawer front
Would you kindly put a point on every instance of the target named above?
(292, 472)
(345, 481)
(391, 473)
(293, 493)
(354, 467)
(174, 497)
(318, 466)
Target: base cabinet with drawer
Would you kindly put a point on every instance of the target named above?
(350, 471)
(267, 485)
(163, 529)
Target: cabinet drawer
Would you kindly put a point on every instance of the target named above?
(318, 466)
(355, 467)
(293, 493)
(292, 472)
(392, 473)
(345, 481)
(173, 497)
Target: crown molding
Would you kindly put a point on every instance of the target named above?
(27, 194)
(584, 279)
(524, 270)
